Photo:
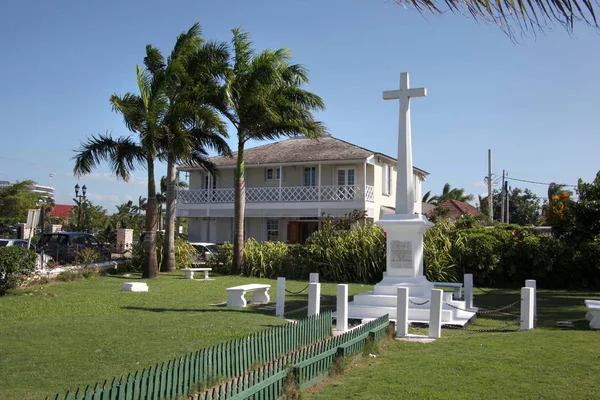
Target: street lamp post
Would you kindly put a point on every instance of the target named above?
(81, 199)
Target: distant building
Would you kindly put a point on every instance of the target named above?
(47, 191)
(61, 211)
(456, 209)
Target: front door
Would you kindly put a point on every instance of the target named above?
(345, 183)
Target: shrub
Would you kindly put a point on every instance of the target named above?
(87, 255)
(443, 248)
(184, 254)
(16, 263)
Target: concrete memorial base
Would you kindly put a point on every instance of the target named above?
(593, 314)
(134, 287)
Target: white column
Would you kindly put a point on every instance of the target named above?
(313, 277)
(468, 283)
(402, 312)
(319, 185)
(314, 298)
(365, 182)
(526, 308)
(532, 284)
(280, 178)
(280, 304)
(435, 314)
(342, 308)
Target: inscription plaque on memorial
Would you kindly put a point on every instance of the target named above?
(401, 254)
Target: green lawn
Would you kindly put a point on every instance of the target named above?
(65, 335)
(545, 363)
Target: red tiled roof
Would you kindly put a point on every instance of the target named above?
(61, 210)
(457, 208)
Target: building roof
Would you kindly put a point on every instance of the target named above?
(457, 208)
(297, 150)
(61, 210)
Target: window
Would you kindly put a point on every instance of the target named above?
(310, 176)
(272, 230)
(272, 174)
(387, 179)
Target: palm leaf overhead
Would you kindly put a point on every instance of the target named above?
(525, 15)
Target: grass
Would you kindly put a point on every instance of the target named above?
(65, 335)
(545, 363)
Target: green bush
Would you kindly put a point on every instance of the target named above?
(443, 248)
(184, 254)
(16, 263)
(87, 255)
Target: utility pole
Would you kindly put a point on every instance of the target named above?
(502, 197)
(507, 204)
(490, 198)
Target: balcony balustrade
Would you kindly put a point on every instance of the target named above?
(284, 194)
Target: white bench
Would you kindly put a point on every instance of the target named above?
(457, 288)
(236, 294)
(593, 314)
(189, 272)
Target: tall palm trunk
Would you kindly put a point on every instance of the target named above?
(240, 212)
(168, 261)
(151, 263)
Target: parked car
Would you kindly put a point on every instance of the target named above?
(63, 246)
(205, 250)
(16, 242)
(24, 243)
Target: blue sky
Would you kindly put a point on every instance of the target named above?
(534, 103)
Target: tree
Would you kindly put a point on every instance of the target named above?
(15, 201)
(191, 77)
(525, 15)
(524, 206)
(143, 115)
(586, 211)
(263, 99)
(92, 217)
(449, 193)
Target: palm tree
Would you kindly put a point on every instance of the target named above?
(141, 206)
(142, 114)
(449, 193)
(524, 14)
(191, 74)
(263, 100)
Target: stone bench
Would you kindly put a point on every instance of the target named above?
(236, 294)
(456, 286)
(593, 314)
(189, 272)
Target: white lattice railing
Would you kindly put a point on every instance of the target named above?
(286, 194)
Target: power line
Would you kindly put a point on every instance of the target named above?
(510, 178)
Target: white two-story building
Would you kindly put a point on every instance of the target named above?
(290, 186)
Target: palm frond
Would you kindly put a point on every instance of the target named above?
(525, 15)
(154, 60)
(123, 155)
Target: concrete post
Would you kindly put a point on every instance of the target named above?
(342, 308)
(435, 314)
(314, 298)
(313, 277)
(468, 284)
(402, 312)
(527, 308)
(532, 284)
(280, 305)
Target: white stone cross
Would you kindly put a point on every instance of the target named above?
(405, 194)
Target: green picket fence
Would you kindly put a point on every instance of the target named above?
(309, 365)
(223, 361)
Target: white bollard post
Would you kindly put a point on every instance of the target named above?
(314, 298)
(532, 284)
(402, 312)
(435, 314)
(526, 308)
(313, 277)
(280, 305)
(468, 284)
(342, 308)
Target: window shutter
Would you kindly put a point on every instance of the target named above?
(386, 171)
